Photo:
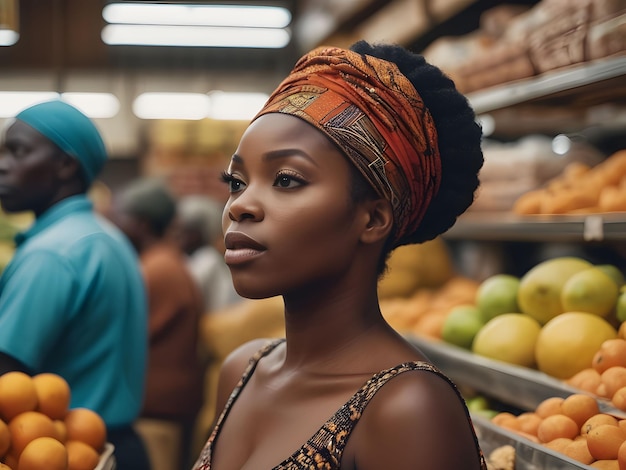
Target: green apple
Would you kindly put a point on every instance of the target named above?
(461, 325)
(497, 295)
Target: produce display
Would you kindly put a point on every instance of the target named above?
(580, 189)
(38, 430)
(554, 318)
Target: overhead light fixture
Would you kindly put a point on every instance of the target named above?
(197, 15)
(8, 37)
(194, 36)
(227, 106)
(217, 105)
(94, 105)
(159, 24)
(9, 22)
(187, 106)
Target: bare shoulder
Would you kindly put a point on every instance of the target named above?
(235, 365)
(416, 420)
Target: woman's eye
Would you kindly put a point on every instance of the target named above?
(234, 184)
(285, 180)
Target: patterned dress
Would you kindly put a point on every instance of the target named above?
(323, 451)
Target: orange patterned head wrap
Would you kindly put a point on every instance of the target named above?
(367, 107)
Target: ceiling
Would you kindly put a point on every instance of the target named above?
(60, 49)
(65, 35)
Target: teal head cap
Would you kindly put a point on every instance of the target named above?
(72, 131)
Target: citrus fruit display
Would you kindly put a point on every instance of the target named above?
(567, 344)
(39, 430)
(540, 288)
(590, 290)
(509, 337)
(461, 325)
(496, 295)
(573, 426)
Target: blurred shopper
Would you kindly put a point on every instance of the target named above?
(145, 212)
(199, 230)
(72, 300)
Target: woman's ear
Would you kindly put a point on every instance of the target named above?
(380, 221)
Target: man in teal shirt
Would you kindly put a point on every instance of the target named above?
(72, 299)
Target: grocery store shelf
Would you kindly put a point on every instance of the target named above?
(541, 228)
(518, 386)
(586, 76)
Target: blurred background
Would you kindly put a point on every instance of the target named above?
(112, 57)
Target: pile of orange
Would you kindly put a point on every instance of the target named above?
(575, 427)
(38, 430)
(606, 377)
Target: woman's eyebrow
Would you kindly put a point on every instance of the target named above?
(288, 152)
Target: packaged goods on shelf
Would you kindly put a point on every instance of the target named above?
(551, 35)
(513, 169)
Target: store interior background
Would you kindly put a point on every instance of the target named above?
(60, 49)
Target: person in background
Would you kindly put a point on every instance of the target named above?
(358, 151)
(145, 211)
(72, 299)
(199, 228)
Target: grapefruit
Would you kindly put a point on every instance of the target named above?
(540, 288)
(590, 290)
(461, 325)
(497, 295)
(509, 337)
(567, 344)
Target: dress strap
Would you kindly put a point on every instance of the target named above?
(204, 460)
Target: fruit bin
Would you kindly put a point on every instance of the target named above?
(518, 386)
(107, 460)
(528, 455)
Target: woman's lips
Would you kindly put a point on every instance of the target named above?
(240, 248)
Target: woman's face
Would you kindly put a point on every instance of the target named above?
(289, 223)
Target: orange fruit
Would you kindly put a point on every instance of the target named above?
(605, 440)
(619, 399)
(556, 426)
(611, 353)
(528, 422)
(81, 456)
(5, 438)
(87, 426)
(621, 456)
(43, 452)
(580, 407)
(17, 394)
(550, 406)
(597, 420)
(586, 380)
(503, 417)
(53, 395)
(28, 426)
(4, 466)
(613, 379)
(61, 429)
(559, 444)
(605, 465)
(579, 451)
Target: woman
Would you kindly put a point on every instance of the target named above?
(351, 157)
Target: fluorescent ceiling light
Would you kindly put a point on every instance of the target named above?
(199, 15)
(191, 106)
(12, 102)
(235, 106)
(94, 105)
(194, 36)
(218, 105)
(8, 37)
